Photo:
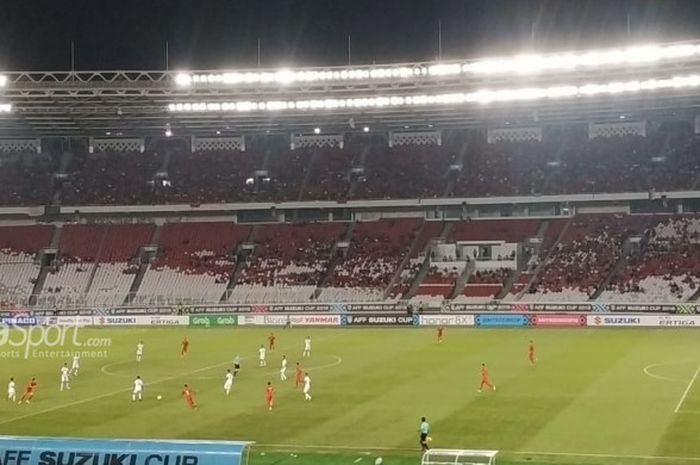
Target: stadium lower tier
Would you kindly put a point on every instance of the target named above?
(592, 257)
(594, 397)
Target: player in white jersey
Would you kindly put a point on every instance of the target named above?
(307, 347)
(228, 383)
(262, 353)
(65, 377)
(307, 387)
(11, 390)
(75, 366)
(283, 369)
(138, 389)
(139, 351)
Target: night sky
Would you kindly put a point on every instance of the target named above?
(131, 34)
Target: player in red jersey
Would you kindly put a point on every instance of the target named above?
(440, 333)
(29, 390)
(184, 347)
(271, 342)
(298, 376)
(485, 379)
(269, 395)
(531, 352)
(189, 397)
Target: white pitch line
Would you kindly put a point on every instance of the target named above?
(114, 393)
(109, 394)
(406, 449)
(608, 456)
(687, 390)
(647, 371)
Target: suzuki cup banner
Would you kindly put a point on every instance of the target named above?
(269, 319)
(446, 320)
(380, 320)
(142, 320)
(16, 450)
(664, 321)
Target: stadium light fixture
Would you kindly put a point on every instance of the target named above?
(481, 97)
(317, 130)
(365, 129)
(183, 79)
(3, 80)
(5, 108)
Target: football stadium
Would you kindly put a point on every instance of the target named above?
(483, 255)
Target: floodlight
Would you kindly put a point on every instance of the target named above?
(365, 129)
(183, 79)
(3, 80)
(317, 130)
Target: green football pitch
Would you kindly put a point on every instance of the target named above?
(594, 396)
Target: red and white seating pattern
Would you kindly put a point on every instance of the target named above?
(195, 262)
(376, 250)
(584, 257)
(665, 268)
(288, 263)
(18, 268)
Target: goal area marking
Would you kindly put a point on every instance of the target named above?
(459, 457)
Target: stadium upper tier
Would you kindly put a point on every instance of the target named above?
(589, 257)
(554, 87)
(464, 166)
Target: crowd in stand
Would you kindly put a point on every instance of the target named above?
(664, 265)
(290, 255)
(374, 256)
(465, 166)
(585, 256)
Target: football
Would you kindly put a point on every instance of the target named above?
(159, 397)
(378, 461)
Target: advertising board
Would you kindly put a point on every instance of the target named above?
(501, 319)
(558, 319)
(271, 319)
(24, 450)
(208, 321)
(379, 320)
(446, 320)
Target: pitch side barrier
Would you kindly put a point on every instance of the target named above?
(20, 450)
(369, 307)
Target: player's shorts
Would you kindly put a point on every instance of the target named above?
(64, 379)
(306, 390)
(139, 354)
(11, 393)
(138, 391)
(423, 437)
(228, 385)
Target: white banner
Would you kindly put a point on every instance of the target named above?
(671, 321)
(446, 320)
(142, 320)
(327, 319)
(65, 320)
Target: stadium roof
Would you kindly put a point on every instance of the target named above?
(640, 82)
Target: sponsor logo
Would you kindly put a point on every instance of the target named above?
(116, 320)
(559, 320)
(677, 321)
(208, 321)
(164, 321)
(497, 319)
(380, 320)
(447, 320)
(25, 320)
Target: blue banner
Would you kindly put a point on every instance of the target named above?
(17, 450)
(501, 319)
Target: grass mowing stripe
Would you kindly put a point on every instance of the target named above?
(687, 390)
(103, 396)
(114, 393)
